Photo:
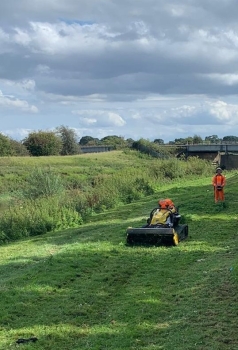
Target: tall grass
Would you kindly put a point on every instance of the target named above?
(36, 217)
(43, 183)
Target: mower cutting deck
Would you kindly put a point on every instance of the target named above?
(157, 235)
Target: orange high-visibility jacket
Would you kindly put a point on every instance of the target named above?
(218, 180)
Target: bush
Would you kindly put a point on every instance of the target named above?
(197, 166)
(79, 201)
(172, 169)
(43, 143)
(120, 188)
(18, 149)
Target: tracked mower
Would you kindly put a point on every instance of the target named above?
(162, 227)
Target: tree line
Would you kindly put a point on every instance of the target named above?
(196, 139)
(64, 141)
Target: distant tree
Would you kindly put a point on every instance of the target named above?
(88, 140)
(94, 142)
(18, 149)
(117, 142)
(5, 146)
(230, 138)
(181, 141)
(188, 140)
(212, 139)
(43, 143)
(129, 142)
(159, 141)
(69, 140)
(197, 139)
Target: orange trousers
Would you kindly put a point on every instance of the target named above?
(218, 195)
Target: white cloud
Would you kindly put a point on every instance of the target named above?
(60, 38)
(224, 79)
(28, 84)
(15, 103)
(183, 111)
(102, 118)
(25, 84)
(224, 112)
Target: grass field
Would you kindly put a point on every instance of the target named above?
(84, 288)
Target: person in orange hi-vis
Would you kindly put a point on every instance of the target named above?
(218, 182)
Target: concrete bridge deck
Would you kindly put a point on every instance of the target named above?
(222, 154)
(226, 148)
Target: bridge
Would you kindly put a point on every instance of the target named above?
(222, 154)
(214, 148)
(96, 149)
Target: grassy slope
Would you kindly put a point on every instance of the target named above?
(85, 289)
(82, 168)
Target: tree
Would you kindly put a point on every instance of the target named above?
(212, 139)
(88, 140)
(197, 139)
(188, 140)
(116, 141)
(18, 149)
(181, 141)
(230, 138)
(159, 141)
(129, 142)
(94, 142)
(69, 140)
(43, 143)
(5, 146)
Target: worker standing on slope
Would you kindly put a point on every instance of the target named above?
(218, 182)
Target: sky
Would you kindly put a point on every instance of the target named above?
(132, 68)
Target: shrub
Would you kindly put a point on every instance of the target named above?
(198, 166)
(18, 149)
(79, 201)
(123, 187)
(171, 168)
(5, 146)
(43, 143)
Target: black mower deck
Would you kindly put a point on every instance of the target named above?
(157, 235)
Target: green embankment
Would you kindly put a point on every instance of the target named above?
(84, 288)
